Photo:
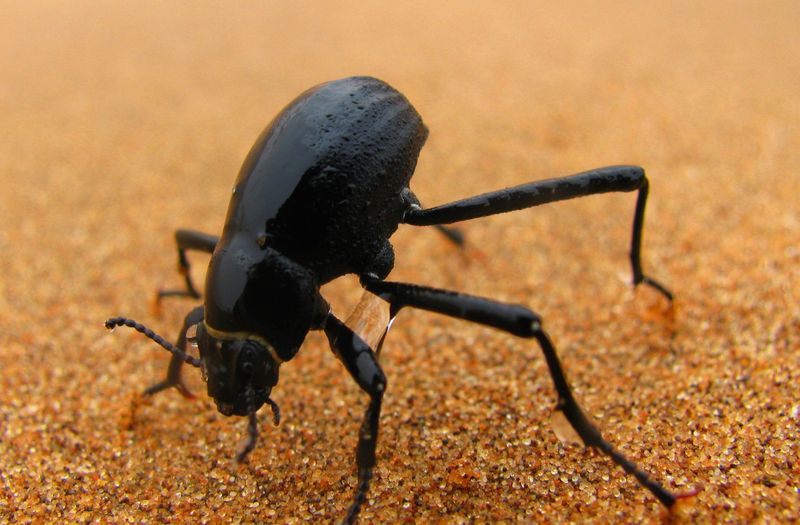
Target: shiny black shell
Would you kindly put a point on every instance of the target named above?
(324, 180)
(322, 189)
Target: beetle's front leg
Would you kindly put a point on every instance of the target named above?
(362, 364)
(176, 363)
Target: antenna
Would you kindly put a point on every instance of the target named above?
(130, 323)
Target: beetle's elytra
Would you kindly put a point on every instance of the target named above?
(319, 195)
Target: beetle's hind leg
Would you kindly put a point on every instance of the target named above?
(173, 378)
(602, 180)
(188, 240)
(522, 322)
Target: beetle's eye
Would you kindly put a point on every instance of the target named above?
(247, 361)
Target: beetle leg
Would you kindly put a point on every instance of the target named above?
(521, 322)
(188, 240)
(602, 180)
(362, 364)
(454, 235)
(176, 363)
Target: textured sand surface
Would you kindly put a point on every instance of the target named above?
(124, 121)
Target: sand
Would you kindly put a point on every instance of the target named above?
(122, 122)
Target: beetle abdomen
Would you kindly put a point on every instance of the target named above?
(339, 153)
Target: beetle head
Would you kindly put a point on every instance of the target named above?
(240, 369)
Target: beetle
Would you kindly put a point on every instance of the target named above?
(319, 195)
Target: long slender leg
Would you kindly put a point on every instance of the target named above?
(454, 235)
(362, 364)
(522, 322)
(176, 363)
(189, 240)
(602, 180)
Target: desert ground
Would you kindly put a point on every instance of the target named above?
(122, 122)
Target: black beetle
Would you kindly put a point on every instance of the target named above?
(320, 193)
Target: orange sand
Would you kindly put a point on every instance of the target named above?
(122, 122)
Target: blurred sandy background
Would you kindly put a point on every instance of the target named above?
(124, 121)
